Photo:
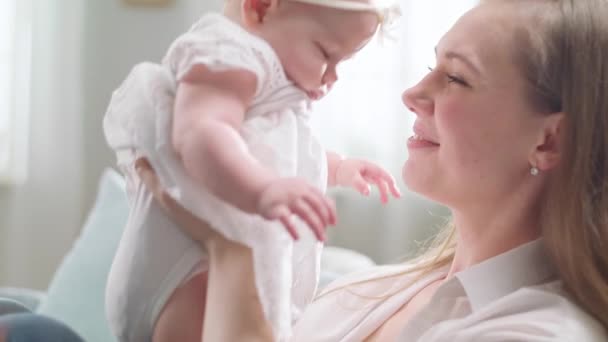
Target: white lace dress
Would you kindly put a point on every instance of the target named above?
(277, 132)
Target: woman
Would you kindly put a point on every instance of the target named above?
(511, 136)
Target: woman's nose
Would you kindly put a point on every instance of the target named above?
(418, 100)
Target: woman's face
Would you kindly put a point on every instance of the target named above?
(475, 129)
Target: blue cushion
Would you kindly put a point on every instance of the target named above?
(76, 293)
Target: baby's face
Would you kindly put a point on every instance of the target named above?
(312, 40)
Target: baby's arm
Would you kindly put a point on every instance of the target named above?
(333, 161)
(359, 174)
(209, 111)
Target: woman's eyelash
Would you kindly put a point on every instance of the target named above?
(455, 79)
(452, 78)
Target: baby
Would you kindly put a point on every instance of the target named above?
(224, 122)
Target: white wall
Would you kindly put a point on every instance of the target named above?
(81, 51)
(117, 36)
(39, 219)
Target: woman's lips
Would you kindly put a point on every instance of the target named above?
(416, 141)
(420, 138)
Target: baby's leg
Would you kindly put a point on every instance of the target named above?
(233, 306)
(182, 317)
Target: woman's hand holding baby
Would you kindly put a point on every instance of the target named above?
(196, 228)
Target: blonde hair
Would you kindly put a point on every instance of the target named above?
(438, 254)
(563, 46)
(562, 49)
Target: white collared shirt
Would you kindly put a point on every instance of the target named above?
(514, 296)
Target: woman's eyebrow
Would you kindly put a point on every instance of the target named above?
(463, 58)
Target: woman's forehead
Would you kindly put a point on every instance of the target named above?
(484, 34)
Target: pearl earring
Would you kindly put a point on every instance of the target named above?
(534, 171)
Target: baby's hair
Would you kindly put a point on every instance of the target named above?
(387, 10)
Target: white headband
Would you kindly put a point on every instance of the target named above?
(350, 5)
(388, 10)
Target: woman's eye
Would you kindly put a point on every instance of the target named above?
(457, 80)
(452, 78)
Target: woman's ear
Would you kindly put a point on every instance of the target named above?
(254, 12)
(548, 150)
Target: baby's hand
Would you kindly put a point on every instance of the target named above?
(287, 196)
(359, 174)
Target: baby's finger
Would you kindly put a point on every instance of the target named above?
(316, 202)
(361, 185)
(284, 216)
(382, 188)
(388, 178)
(307, 214)
(332, 209)
(394, 189)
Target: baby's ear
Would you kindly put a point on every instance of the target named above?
(254, 11)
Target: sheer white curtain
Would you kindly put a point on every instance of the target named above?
(363, 117)
(40, 217)
(6, 34)
(14, 88)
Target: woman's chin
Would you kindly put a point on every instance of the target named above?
(416, 180)
(411, 173)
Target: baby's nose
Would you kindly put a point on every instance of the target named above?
(330, 77)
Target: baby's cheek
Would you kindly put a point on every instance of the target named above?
(299, 69)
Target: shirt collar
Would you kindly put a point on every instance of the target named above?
(523, 266)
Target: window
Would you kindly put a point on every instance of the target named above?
(15, 39)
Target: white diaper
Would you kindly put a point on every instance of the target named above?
(140, 284)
